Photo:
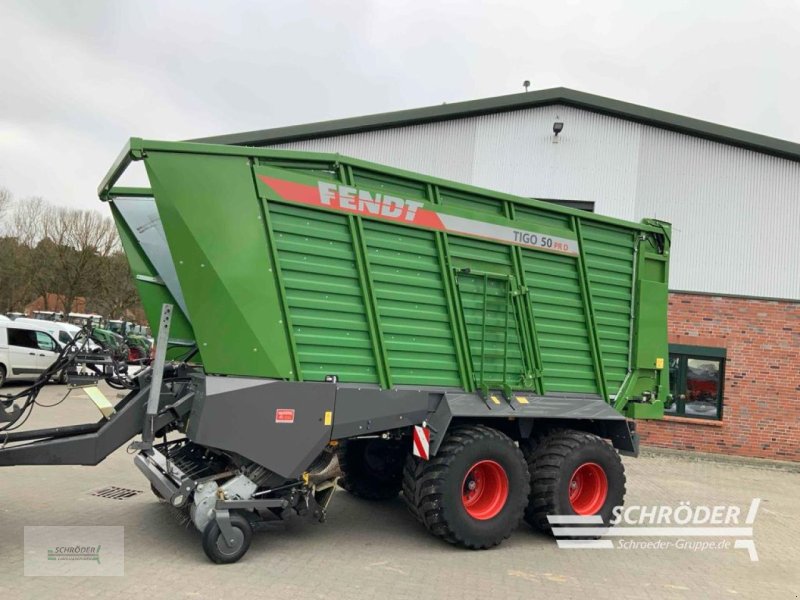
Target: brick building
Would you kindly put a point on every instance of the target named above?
(757, 345)
(732, 196)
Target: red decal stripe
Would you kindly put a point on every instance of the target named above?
(296, 192)
(428, 218)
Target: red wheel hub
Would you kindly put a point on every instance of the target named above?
(484, 490)
(588, 489)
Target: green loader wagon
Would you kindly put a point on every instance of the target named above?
(324, 320)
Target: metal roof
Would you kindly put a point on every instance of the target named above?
(472, 108)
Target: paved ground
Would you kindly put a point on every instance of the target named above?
(369, 550)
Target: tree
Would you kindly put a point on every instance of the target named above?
(6, 200)
(82, 239)
(47, 250)
(114, 292)
(32, 271)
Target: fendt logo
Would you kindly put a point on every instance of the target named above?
(377, 205)
(350, 198)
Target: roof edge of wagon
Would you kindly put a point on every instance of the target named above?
(498, 104)
(137, 148)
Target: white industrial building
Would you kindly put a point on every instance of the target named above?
(733, 198)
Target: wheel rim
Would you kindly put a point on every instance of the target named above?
(238, 540)
(588, 489)
(484, 490)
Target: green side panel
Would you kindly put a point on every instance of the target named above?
(561, 323)
(323, 292)
(471, 202)
(496, 348)
(478, 255)
(215, 229)
(492, 330)
(652, 324)
(322, 169)
(412, 307)
(388, 183)
(153, 295)
(538, 217)
(609, 255)
(286, 278)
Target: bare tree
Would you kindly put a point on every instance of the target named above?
(6, 199)
(46, 250)
(28, 220)
(81, 238)
(28, 226)
(114, 293)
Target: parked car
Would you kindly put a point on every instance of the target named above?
(63, 332)
(26, 351)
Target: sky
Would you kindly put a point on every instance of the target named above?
(78, 77)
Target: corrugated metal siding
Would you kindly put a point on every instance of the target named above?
(409, 293)
(436, 149)
(563, 336)
(512, 152)
(478, 295)
(735, 212)
(515, 153)
(609, 264)
(492, 330)
(323, 293)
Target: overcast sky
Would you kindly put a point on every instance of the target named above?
(79, 77)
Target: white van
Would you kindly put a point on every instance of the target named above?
(63, 332)
(25, 351)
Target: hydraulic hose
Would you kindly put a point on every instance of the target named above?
(66, 357)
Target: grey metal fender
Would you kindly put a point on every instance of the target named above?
(280, 425)
(583, 412)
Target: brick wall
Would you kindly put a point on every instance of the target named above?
(761, 397)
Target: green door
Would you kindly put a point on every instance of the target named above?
(491, 312)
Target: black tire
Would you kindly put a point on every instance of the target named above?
(372, 468)
(2, 375)
(214, 544)
(441, 485)
(412, 471)
(555, 460)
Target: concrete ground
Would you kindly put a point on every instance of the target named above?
(377, 550)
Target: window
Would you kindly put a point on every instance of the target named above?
(64, 338)
(696, 381)
(22, 337)
(45, 342)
